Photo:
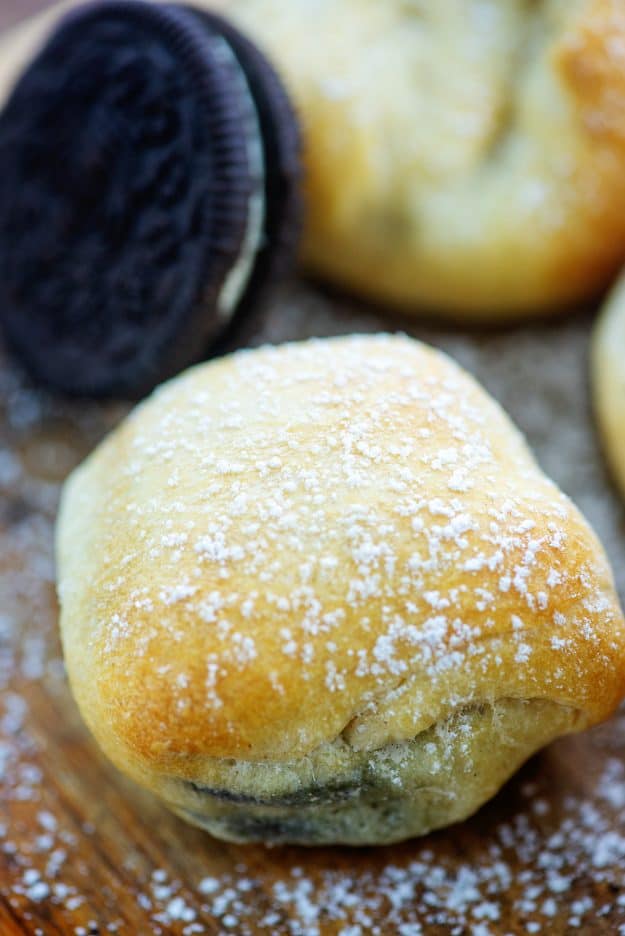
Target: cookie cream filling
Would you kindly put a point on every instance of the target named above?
(239, 275)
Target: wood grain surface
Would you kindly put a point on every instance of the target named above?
(84, 851)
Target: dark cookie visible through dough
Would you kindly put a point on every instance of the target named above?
(320, 822)
(124, 194)
(246, 827)
(307, 797)
(282, 157)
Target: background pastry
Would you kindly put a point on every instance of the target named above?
(464, 156)
(322, 593)
(608, 379)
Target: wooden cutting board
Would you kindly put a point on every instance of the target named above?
(84, 851)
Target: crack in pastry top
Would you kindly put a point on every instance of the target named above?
(350, 519)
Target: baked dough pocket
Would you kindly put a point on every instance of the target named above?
(465, 156)
(323, 593)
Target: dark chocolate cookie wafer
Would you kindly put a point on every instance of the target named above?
(140, 203)
(282, 158)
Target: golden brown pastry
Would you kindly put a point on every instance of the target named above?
(464, 156)
(608, 379)
(323, 593)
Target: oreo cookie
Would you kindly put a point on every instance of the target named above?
(149, 190)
